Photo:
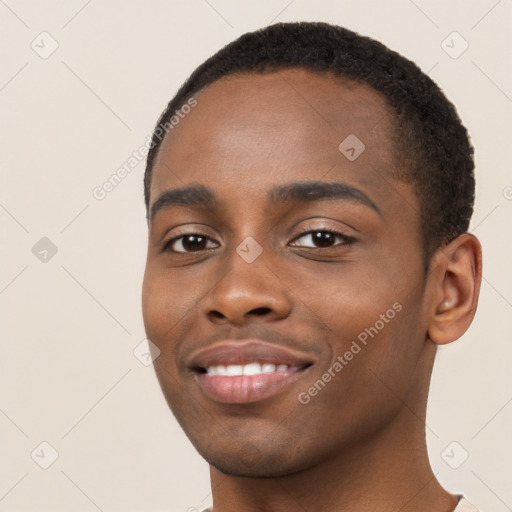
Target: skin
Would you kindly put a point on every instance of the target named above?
(359, 444)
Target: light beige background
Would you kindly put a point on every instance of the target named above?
(68, 374)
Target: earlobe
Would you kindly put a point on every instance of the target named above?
(456, 283)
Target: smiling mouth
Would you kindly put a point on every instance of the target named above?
(255, 368)
(245, 371)
(247, 383)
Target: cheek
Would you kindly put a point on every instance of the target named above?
(163, 297)
(391, 346)
(151, 303)
(157, 312)
(160, 307)
(403, 350)
(170, 312)
(374, 325)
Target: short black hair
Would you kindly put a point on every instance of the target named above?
(433, 150)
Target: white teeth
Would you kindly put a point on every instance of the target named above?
(252, 369)
(233, 370)
(267, 368)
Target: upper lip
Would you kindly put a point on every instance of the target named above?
(240, 352)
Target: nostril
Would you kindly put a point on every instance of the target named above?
(261, 311)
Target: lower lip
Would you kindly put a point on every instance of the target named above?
(246, 388)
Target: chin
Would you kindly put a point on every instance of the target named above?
(253, 462)
(263, 469)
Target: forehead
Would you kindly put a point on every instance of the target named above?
(257, 128)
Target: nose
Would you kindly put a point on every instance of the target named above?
(247, 292)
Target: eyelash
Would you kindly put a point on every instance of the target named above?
(347, 240)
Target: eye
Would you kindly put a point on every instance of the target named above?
(196, 242)
(189, 242)
(324, 238)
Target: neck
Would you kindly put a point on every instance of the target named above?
(387, 473)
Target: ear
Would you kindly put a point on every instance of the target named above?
(455, 278)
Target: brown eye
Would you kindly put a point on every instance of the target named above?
(324, 239)
(190, 242)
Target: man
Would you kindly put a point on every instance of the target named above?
(309, 193)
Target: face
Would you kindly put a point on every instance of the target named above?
(308, 248)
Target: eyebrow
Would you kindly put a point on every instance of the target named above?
(196, 195)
